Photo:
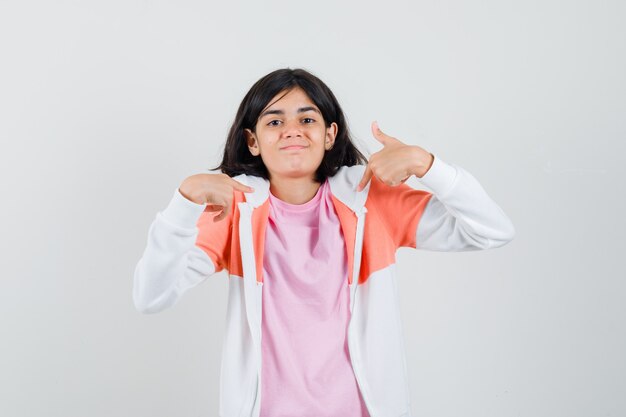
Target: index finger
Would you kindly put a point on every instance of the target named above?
(367, 175)
(241, 187)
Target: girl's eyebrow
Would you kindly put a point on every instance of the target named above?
(300, 110)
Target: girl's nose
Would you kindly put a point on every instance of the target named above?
(292, 128)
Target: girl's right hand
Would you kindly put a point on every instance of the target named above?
(214, 190)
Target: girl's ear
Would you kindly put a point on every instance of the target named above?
(253, 145)
(331, 134)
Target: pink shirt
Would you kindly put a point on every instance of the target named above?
(306, 369)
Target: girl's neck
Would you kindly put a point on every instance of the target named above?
(294, 190)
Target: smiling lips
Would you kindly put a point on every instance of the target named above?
(293, 147)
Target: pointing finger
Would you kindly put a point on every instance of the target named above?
(242, 187)
(367, 175)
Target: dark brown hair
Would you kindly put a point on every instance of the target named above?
(237, 158)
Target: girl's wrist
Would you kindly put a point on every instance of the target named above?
(423, 160)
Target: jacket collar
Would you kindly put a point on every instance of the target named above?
(261, 189)
(342, 185)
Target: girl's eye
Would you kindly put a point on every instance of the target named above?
(306, 118)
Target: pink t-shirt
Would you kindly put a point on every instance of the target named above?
(306, 363)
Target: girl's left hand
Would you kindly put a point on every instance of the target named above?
(396, 162)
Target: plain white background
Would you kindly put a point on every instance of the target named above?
(105, 107)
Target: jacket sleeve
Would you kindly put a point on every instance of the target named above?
(457, 215)
(183, 249)
(460, 216)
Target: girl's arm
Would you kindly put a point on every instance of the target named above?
(172, 263)
(460, 215)
(457, 216)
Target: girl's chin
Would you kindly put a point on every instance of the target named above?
(293, 173)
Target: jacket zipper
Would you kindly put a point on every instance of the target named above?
(358, 249)
(251, 289)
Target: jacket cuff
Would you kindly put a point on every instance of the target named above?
(440, 177)
(183, 212)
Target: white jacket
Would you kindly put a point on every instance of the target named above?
(185, 247)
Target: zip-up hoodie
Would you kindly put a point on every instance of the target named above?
(185, 246)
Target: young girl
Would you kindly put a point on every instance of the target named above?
(307, 230)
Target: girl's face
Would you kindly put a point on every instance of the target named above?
(291, 136)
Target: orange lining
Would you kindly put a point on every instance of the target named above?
(391, 222)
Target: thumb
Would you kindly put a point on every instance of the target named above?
(383, 138)
(379, 135)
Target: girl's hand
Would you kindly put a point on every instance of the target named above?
(396, 162)
(214, 190)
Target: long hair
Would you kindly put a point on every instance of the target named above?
(237, 158)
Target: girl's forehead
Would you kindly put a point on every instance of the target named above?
(290, 102)
(296, 94)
